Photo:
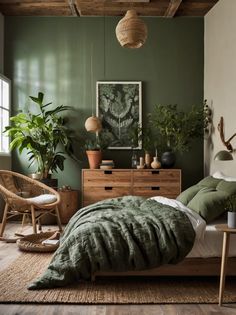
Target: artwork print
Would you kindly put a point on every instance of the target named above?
(119, 107)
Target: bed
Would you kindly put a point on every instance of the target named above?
(203, 260)
(138, 235)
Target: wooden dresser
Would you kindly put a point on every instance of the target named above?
(102, 184)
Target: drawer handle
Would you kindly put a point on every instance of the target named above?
(155, 172)
(155, 188)
(107, 172)
(108, 188)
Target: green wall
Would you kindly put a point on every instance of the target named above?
(53, 55)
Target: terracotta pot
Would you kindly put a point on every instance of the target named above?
(94, 158)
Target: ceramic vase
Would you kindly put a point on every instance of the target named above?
(232, 220)
(147, 160)
(168, 159)
(155, 163)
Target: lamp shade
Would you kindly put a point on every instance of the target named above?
(93, 124)
(131, 31)
(223, 156)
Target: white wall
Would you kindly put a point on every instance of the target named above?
(220, 80)
(1, 42)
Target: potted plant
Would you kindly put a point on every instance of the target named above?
(94, 144)
(44, 135)
(231, 208)
(176, 128)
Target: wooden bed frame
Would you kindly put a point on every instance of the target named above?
(188, 267)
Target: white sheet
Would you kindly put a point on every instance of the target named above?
(211, 244)
(197, 221)
(208, 241)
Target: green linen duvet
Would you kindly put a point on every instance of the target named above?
(120, 234)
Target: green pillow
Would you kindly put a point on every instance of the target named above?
(209, 203)
(209, 181)
(208, 197)
(188, 194)
(228, 187)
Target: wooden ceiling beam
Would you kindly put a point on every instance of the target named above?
(167, 8)
(172, 8)
(95, 8)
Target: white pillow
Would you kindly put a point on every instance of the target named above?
(43, 199)
(220, 175)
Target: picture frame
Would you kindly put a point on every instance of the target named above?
(119, 106)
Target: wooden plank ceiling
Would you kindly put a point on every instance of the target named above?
(165, 8)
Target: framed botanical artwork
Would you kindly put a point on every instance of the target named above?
(119, 106)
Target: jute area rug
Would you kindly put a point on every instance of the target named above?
(27, 267)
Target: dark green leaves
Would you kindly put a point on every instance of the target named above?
(44, 135)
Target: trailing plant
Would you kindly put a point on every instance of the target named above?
(231, 203)
(44, 135)
(177, 128)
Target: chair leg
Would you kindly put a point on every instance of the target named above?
(33, 219)
(4, 219)
(58, 218)
(23, 220)
(40, 225)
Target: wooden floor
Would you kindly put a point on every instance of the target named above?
(9, 252)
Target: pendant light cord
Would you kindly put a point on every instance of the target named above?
(104, 42)
(91, 76)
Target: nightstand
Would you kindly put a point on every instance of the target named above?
(225, 250)
(69, 204)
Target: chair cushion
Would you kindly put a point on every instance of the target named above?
(43, 199)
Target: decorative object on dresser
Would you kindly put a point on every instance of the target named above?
(102, 184)
(107, 164)
(94, 143)
(155, 163)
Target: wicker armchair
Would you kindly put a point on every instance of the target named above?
(27, 197)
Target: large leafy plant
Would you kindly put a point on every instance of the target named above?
(43, 134)
(177, 128)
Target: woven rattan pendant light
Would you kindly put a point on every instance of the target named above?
(131, 31)
(93, 123)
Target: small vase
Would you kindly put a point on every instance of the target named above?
(232, 220)
(147, 160)
(155, 163)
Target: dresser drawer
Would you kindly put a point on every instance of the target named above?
(99, 193)
(156, 177)
(165, 191)
(101, 178)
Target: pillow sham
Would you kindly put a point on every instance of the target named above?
(209, 203)
(208, 197)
